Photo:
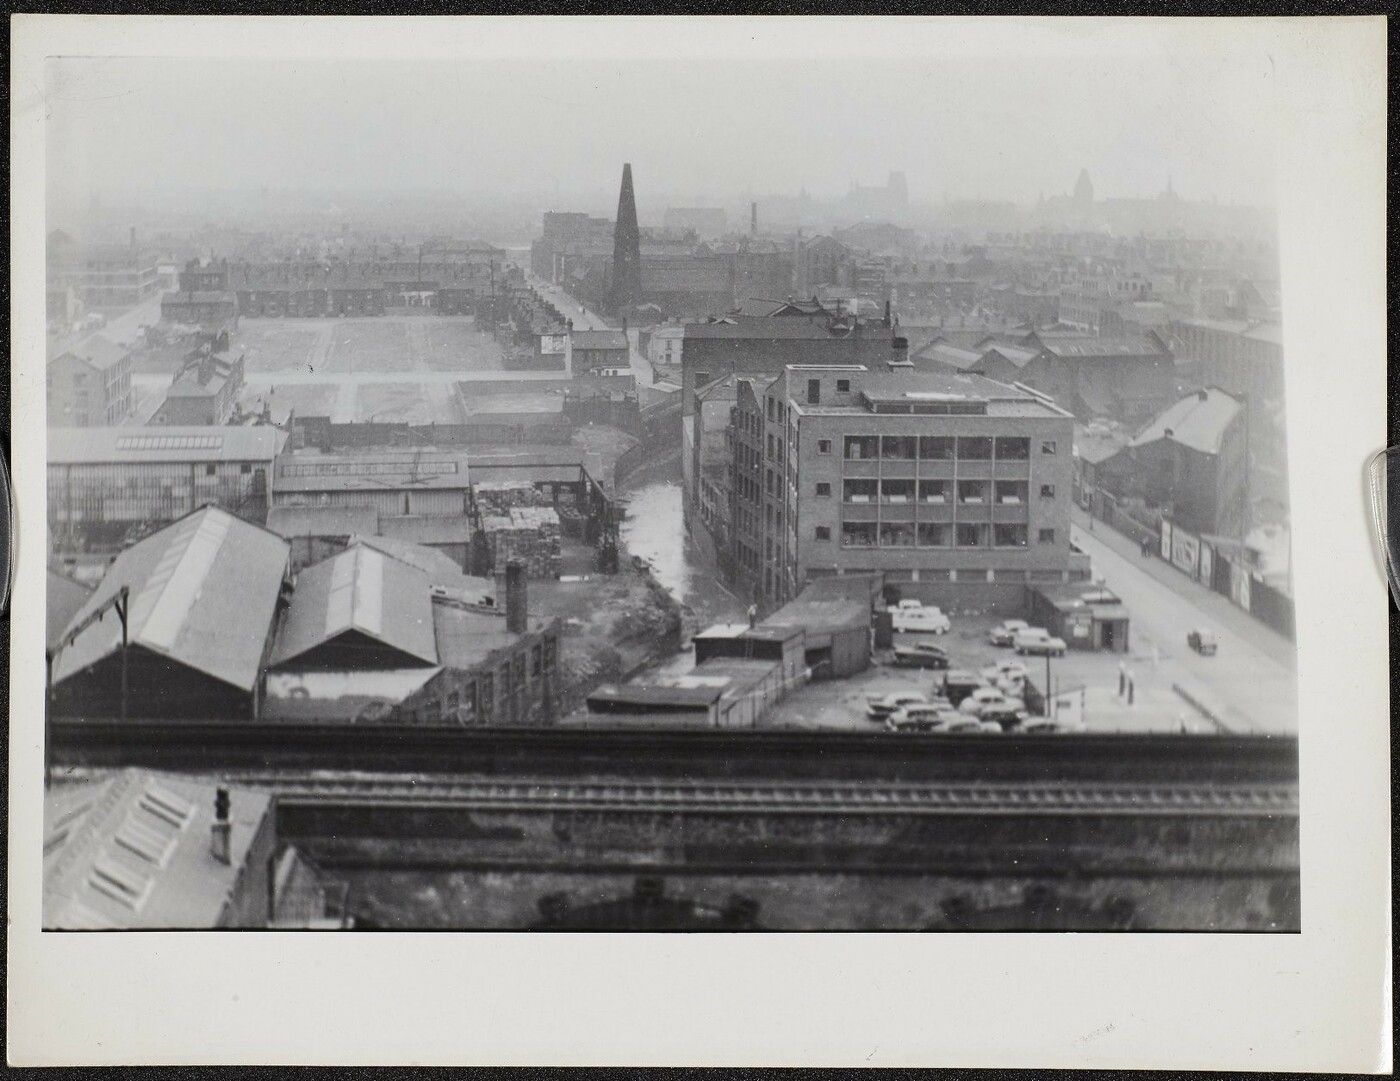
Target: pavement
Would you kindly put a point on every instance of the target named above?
(1250, 683)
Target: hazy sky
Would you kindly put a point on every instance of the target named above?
(994, 126)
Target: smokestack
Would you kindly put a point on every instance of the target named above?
(220, 830)
(887, 313)
(753, 219)
(517, 599)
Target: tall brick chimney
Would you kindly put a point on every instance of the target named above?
(517, 599)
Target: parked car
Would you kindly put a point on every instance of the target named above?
(989, 698)
(1004, 633)
(1038, 641)
(1202, 641)
(1004, 670)
(958, 684)
(1043, 726)
(921, 655)
(923, 718)
(910, 615)
(970, 726)
(878, 707)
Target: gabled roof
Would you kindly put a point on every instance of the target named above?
(64, 598)
(763, 328)
(100, 352)
(133, 851)
(203, 592)
(598, 339)
(1090, 347)
(955, 357)
(1198, 421)
(361, 591)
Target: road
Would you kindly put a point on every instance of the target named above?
(587, 320)
(1252, 674)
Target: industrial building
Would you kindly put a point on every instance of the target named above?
(1086, 616)
(89, 384)
(103, 275)
(379, 634)
(425, 481)
(954, 487)
(181, 626)
(103, 482)
(152, 851)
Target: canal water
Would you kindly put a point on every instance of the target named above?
(654, 530)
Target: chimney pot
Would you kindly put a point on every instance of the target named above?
(220, 831)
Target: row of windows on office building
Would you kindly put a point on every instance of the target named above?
(904, 490)
(935, 535)
(943, 448)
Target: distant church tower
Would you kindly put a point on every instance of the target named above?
(626, 286)
(1083, 189)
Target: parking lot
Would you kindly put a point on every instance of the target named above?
(1086, 681)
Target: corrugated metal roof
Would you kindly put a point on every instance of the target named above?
(373, 470)
(64, 598)
(292, 522)
(1198, 421)
(360, 590)
(134, 851)
(164, 443)
(203, 592)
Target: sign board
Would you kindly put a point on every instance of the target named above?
(1207, 564)
(1167, 531)
(553, 344)
(1186, 551)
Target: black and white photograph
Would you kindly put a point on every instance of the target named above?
(640, 488)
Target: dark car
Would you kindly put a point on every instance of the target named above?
(1202, 641)
(957, 685)
(921, 655)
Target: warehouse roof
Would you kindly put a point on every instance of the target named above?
(333, 521)
(203, 592)
(373, 470)
(768, 327)
(364, 592)
(1088, 347)
(1198, 421)
(822, 614)
(133, 851)
(64, 598)
(162, 443)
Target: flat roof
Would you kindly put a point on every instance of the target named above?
(467, 636)
(654, 694)
(164, 443)
(822, 614)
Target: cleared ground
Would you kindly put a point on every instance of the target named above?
(424, 346)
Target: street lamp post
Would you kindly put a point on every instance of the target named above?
(1047, 685)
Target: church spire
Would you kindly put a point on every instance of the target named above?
(626, 286)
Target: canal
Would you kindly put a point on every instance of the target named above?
(654, 530)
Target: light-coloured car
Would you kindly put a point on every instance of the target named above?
(970, 726)
(986, 699)
(1004, 633)
(878, 707)
(914, 616)
(1037, 641)
(1006, 669)
(923, 718)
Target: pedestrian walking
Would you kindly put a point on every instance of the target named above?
(1122, 678)
(1130, 690)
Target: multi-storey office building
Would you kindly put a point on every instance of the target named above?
(954, 487)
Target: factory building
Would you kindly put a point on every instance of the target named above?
(102, 482)
(181, 626)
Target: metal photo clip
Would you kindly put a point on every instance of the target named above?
(7, 534)
(1382, 504)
